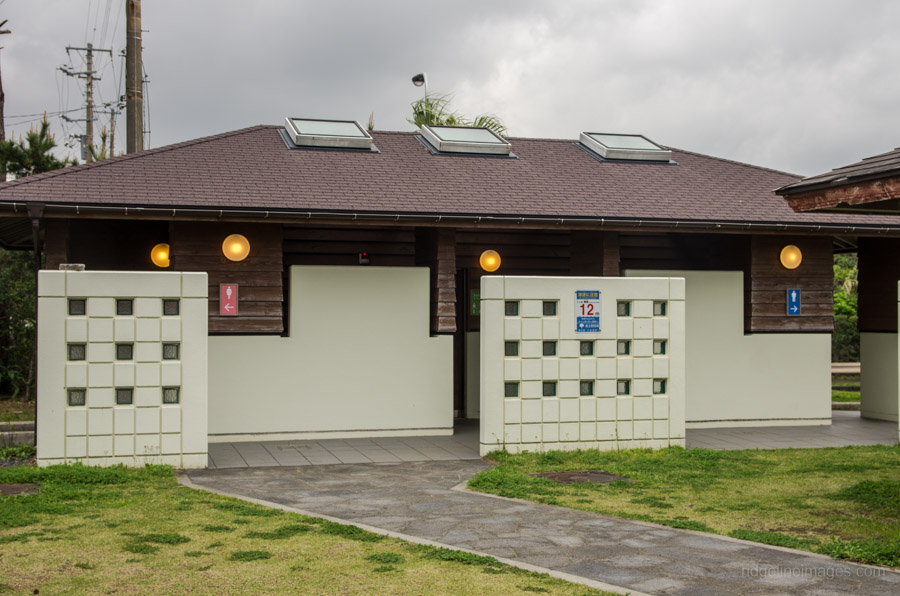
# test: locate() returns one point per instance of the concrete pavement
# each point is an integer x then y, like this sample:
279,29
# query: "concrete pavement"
423,501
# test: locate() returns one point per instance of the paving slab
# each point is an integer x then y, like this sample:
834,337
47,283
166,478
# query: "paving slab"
424,501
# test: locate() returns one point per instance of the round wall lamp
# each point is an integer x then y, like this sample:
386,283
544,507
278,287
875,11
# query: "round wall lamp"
160,255
236,247
791,257
489,260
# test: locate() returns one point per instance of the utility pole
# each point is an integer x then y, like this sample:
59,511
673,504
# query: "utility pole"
2,95
112,131
89,78
134,79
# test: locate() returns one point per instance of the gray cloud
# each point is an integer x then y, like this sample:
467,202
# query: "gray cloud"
801,87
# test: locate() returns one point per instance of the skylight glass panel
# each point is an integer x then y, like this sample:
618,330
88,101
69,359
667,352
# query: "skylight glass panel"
465,139
346,134
632,147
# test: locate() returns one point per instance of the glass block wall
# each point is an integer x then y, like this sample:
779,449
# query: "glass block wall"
547,383
122,375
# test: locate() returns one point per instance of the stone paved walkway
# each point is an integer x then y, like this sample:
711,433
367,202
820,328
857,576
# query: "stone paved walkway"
418,500
847,428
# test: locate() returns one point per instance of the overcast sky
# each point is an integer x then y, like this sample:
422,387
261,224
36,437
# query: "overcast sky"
796,86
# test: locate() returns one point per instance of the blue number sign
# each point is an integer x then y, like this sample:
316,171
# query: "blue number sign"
587,311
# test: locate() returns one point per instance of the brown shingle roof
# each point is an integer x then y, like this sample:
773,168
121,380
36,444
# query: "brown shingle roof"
253,169
877,166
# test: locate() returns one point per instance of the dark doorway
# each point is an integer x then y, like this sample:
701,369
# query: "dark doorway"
459,346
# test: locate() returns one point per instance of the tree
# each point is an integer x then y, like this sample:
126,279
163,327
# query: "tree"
22,157
31,155
435,110
17,322
845,339
103,152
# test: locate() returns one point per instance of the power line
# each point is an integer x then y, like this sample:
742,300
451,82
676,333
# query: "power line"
46,113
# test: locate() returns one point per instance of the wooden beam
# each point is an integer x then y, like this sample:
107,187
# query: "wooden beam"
436,249
862,193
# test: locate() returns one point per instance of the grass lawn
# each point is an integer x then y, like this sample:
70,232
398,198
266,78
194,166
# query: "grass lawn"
843,502
845,396
138,531
16,411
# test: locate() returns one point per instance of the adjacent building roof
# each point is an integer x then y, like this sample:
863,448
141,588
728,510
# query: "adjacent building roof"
253,173
868,186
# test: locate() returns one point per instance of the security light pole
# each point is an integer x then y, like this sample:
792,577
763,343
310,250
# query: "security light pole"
421,79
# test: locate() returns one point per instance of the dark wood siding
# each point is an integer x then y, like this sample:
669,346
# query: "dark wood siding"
341,246
198,247
767,282
879,271
105,244
689,252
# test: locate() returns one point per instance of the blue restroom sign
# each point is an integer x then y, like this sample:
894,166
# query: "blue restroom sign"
587,311
793,302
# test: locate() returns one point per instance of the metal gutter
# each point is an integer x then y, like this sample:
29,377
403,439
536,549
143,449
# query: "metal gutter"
286,216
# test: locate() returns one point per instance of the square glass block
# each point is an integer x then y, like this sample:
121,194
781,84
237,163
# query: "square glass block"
549,308
511,308
587,388
623,347
124,396
623,387
549,388
171,307
511,348
77,351
659,346
124,351
510,390
76,397
623,309
76,306
124,306
549,348
659,386
171,351
587,348
170,395
659,309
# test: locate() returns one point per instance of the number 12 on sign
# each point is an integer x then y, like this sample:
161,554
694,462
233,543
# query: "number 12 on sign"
587,311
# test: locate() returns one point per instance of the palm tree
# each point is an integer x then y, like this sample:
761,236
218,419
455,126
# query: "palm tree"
435,110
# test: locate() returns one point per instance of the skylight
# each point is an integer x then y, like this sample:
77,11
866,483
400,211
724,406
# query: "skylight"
631,147
346,134
465,139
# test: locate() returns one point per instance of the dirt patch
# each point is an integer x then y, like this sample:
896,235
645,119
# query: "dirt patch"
582,477
19,489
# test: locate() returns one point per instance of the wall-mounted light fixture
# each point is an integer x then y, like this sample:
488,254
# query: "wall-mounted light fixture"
791,257
489,260
236,247
160,255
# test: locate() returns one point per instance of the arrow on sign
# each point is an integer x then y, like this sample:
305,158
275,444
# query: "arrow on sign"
228,307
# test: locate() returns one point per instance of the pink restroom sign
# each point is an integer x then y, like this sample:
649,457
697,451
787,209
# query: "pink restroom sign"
228,299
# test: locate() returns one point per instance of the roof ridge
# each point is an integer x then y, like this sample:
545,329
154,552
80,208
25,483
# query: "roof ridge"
739,163
127,157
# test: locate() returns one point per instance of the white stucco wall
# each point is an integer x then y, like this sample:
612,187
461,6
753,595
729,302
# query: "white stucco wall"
601,416
359,362
878,380
733,379
102,431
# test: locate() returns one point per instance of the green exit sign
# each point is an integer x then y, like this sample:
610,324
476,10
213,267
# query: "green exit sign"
475,302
